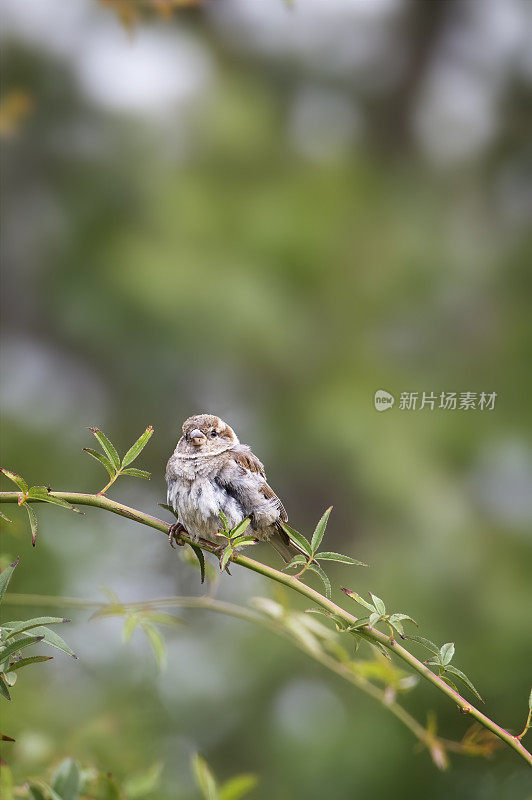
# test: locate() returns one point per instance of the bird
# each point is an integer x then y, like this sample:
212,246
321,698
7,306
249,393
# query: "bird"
210,472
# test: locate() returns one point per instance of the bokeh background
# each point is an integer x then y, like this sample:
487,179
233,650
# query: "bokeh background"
270,211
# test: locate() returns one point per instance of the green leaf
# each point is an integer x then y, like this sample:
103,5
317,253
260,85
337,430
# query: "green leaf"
21,483
465,679
339,557
137,448
24,662
339,622
320,611
4,691
303,634
374,618
398,625
240,528
53,639
136,473
376,645
157,643
132,621
316,627
107,447
102,459
26,625
244,541
317,536
19,644
269,607
326,582
204,778
445,677
67,780
430,646
10,677
446,653
161,618
35,793
52,795
295,562
237,787
377,602
43,493
3,516
358,598
225,522
360,623
395,617
298,538
33,523
145,783
227,553
5,577
328,614
201,559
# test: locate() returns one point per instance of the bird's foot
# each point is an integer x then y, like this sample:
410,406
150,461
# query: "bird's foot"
174,534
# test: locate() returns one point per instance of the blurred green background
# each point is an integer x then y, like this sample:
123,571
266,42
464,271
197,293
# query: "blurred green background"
270,212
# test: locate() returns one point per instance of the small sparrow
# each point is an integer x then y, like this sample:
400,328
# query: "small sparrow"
210,471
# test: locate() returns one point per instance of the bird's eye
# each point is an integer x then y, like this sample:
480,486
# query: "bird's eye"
214,432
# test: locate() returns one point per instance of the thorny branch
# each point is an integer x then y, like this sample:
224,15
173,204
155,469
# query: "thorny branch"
372,634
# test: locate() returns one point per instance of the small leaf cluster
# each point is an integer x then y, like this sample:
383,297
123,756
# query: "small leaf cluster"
378,614
42,493
310,561
235,538
72,782
17,635
144,618
232,789
441,658
112,462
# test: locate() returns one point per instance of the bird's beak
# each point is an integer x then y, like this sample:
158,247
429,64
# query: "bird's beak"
197,437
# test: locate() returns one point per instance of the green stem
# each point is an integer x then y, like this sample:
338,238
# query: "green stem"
113,479
527,725
100,501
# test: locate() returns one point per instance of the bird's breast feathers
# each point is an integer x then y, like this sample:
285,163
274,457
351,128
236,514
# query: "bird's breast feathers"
232,482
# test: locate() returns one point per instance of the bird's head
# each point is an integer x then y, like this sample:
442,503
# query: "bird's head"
206,434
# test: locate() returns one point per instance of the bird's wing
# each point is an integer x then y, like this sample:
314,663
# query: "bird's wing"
248,460
241,462
243,478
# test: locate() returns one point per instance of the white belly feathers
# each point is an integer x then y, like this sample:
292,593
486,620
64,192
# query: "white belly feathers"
198,504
